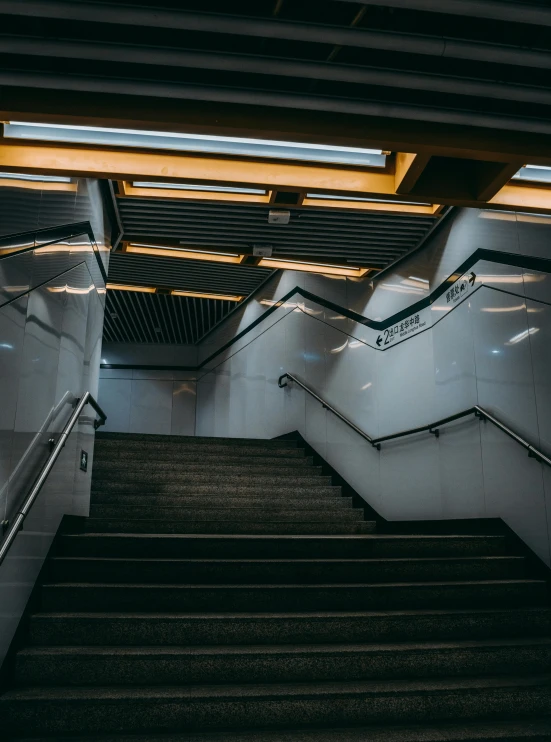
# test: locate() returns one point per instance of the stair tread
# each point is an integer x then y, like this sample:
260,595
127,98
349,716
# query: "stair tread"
277,690
298,560
308,615
292,537
296,586
450,732
286,649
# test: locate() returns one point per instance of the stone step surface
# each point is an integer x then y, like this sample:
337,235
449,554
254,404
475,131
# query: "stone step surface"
102,569
242,514
238,501
185,665
289,627
224,589
281,546
527,730
212,526
184,440
307,597
204,471
223,487
236,457
69,710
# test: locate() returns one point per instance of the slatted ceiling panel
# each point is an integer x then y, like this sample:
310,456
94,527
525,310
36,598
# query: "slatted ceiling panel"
371,238
132,317
187,275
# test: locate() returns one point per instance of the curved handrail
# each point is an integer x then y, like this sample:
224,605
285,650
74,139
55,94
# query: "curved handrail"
15,527
433,427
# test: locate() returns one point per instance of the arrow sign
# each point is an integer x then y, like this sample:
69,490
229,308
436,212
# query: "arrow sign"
472,278
379,341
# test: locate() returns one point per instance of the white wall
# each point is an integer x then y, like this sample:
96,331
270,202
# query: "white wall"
51,321
148,400
493,349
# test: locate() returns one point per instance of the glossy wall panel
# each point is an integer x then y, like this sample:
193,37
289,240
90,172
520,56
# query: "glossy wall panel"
51,320
491,349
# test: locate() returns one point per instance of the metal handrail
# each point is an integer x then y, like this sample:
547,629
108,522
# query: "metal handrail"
433,428
17,524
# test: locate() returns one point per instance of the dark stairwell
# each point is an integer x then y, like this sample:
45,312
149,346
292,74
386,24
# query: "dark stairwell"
223,589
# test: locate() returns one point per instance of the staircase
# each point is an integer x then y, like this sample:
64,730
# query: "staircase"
224,589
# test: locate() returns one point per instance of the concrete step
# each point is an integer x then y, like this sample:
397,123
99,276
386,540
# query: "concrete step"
199,462
152,438
506,730
308,502
204,470
241,514
183,665
280,546
299,597
303,478
69,710
268,527
138,451
225,488
258,571
158,629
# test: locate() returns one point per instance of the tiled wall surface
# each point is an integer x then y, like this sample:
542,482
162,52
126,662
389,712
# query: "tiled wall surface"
141,400
51,320
493,349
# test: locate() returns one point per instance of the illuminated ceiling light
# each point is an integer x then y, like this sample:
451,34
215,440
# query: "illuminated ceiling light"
331,197
534,173
200,295
189,254
35,178
195,187
296,265
281,150
126,287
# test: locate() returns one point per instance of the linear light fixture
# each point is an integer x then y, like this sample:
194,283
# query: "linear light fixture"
187,254
174,292
534,173
198,187
200,295
127,287
325,196
247,147
35,178
326,268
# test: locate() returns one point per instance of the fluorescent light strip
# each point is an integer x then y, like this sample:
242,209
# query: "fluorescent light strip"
326,268
202,188
175,292
331,197
170,252
35,178
195,143
534,173
199,295
127,287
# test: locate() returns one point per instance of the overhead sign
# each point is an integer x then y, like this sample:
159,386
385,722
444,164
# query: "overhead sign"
460,288
402,330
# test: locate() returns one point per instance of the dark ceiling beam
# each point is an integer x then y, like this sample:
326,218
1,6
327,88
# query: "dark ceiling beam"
539,15
252,97
101,108
127,15
294,68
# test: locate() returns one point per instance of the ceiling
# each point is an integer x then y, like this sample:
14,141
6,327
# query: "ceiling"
332,235
133,317
481,63
458,92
